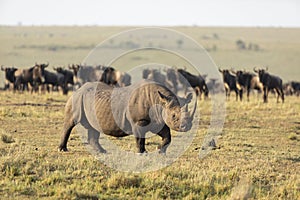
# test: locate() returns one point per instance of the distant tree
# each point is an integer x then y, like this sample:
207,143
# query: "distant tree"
256,47
179,43
216,36
214,47
241,45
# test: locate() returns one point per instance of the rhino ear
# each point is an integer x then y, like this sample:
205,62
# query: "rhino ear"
164,98
189,97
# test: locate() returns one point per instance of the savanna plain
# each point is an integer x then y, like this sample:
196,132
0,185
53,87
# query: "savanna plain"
257,155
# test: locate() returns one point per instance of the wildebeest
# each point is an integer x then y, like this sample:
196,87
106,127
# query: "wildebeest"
33,76
248,81
230,83
68,78
196,82
154,75
124,80
54,79
146,73
291,88
109,76
172,78
296,87
9,76
270,82
75,68
114,77
145,106
90,73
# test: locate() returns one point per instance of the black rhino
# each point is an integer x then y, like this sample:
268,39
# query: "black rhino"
135,109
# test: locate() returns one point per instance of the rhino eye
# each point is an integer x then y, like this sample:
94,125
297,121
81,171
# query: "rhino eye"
173,116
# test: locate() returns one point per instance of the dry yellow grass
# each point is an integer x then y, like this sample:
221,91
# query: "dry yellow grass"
255,157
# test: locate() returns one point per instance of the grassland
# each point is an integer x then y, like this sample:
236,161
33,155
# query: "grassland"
257,155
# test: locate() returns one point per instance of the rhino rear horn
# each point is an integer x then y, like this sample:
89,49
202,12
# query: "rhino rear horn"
164,98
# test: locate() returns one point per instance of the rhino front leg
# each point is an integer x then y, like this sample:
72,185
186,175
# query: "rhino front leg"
93,140
140,144
166,139
139,135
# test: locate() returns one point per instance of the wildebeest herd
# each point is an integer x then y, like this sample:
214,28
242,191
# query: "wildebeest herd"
38,78
106,101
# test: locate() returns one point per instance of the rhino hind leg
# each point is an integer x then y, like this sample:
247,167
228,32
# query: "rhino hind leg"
68,126
93,140
166,139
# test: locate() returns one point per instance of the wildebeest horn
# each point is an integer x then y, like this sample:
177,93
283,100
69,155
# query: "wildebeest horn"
232,70
220,70
2,68
255,70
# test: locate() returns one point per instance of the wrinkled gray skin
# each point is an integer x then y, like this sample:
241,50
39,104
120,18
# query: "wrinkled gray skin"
119,112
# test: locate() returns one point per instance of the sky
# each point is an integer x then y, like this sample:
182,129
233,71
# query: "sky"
270,13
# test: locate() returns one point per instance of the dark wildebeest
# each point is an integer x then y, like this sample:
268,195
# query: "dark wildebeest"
248,81
124,80
155,75
54,79
68,78
146,73
172,78
270,82
145,106
9,76
33,76
196,82
291,88
109,76
296,87
215,86
90,73
287,88
75,68
114,77
230,83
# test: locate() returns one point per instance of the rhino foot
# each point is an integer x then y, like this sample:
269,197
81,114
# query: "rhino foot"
63,149
145,153
161,152
101,150
98,149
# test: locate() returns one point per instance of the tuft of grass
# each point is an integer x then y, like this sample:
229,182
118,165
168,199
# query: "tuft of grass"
293,136
7,138
119,180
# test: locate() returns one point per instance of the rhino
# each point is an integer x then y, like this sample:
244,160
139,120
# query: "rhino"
142,107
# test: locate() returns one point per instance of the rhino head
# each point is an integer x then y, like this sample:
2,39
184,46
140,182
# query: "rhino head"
175,112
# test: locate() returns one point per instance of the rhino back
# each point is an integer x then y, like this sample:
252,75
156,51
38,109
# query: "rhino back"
145,99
